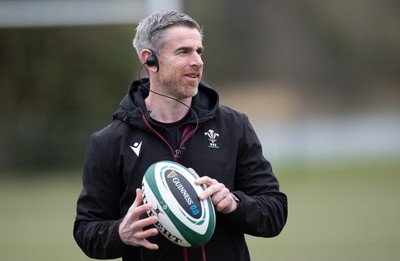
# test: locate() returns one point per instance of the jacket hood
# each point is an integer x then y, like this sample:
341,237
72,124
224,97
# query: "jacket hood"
204,103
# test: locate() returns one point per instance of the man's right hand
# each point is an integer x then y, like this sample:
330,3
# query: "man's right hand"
131,228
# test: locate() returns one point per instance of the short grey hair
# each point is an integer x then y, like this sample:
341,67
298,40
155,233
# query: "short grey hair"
150,31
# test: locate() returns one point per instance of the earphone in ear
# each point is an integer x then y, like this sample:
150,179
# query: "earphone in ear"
152,60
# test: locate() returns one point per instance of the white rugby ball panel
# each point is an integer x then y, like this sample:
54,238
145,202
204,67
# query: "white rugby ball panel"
183,218
164,224
177,182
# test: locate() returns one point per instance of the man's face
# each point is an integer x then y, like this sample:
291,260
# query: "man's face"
181,66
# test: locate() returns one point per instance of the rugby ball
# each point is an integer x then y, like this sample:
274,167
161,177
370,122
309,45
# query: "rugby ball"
182,217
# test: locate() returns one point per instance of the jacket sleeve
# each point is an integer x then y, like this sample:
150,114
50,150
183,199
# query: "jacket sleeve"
98,215
262,210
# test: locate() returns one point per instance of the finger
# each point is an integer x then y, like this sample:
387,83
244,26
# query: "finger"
138,200
149,245
137,208
205,180
146,233
134,214
207,193
217,196
211,191
138,203
224,205
142,223
200,180
211,187
144,243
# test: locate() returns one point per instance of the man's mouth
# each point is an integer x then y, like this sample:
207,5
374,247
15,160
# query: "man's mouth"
193,75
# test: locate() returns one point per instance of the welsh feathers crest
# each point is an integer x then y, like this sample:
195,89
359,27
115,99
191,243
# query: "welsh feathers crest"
212,137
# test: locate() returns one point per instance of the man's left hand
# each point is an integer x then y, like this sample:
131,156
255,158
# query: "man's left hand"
220,195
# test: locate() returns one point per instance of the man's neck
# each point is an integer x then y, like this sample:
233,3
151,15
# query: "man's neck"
164,109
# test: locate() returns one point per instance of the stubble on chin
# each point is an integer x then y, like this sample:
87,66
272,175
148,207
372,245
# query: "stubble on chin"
180,91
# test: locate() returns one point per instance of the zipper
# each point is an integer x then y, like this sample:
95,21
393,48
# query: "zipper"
187,133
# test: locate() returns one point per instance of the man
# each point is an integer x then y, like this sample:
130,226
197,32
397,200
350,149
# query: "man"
174,116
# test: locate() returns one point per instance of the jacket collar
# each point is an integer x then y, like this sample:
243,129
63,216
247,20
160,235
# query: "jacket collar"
205,102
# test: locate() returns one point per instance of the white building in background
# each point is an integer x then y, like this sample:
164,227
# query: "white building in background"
32,13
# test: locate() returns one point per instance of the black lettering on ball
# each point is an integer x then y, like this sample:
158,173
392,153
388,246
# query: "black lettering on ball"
184,193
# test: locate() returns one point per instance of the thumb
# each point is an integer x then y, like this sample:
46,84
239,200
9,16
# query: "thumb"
138,200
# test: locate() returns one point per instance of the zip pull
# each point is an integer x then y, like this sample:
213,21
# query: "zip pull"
126,118
179,154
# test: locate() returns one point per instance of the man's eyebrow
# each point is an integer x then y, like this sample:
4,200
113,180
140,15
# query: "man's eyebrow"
186,48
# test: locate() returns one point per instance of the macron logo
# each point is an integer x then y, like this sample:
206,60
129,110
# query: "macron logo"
136,148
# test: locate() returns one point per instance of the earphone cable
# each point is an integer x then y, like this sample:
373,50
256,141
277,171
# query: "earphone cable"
169,97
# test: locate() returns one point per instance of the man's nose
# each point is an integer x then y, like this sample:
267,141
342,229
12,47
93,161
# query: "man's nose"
196,60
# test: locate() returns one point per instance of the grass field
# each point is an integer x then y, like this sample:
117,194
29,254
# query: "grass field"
346,211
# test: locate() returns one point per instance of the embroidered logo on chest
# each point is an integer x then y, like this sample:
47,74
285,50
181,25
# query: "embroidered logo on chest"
212,137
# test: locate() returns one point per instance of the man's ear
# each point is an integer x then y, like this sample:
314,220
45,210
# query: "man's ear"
149,59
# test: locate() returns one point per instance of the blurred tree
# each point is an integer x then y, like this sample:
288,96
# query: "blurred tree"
338,52
57,85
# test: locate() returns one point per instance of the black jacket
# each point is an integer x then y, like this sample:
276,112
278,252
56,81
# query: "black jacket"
113,170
